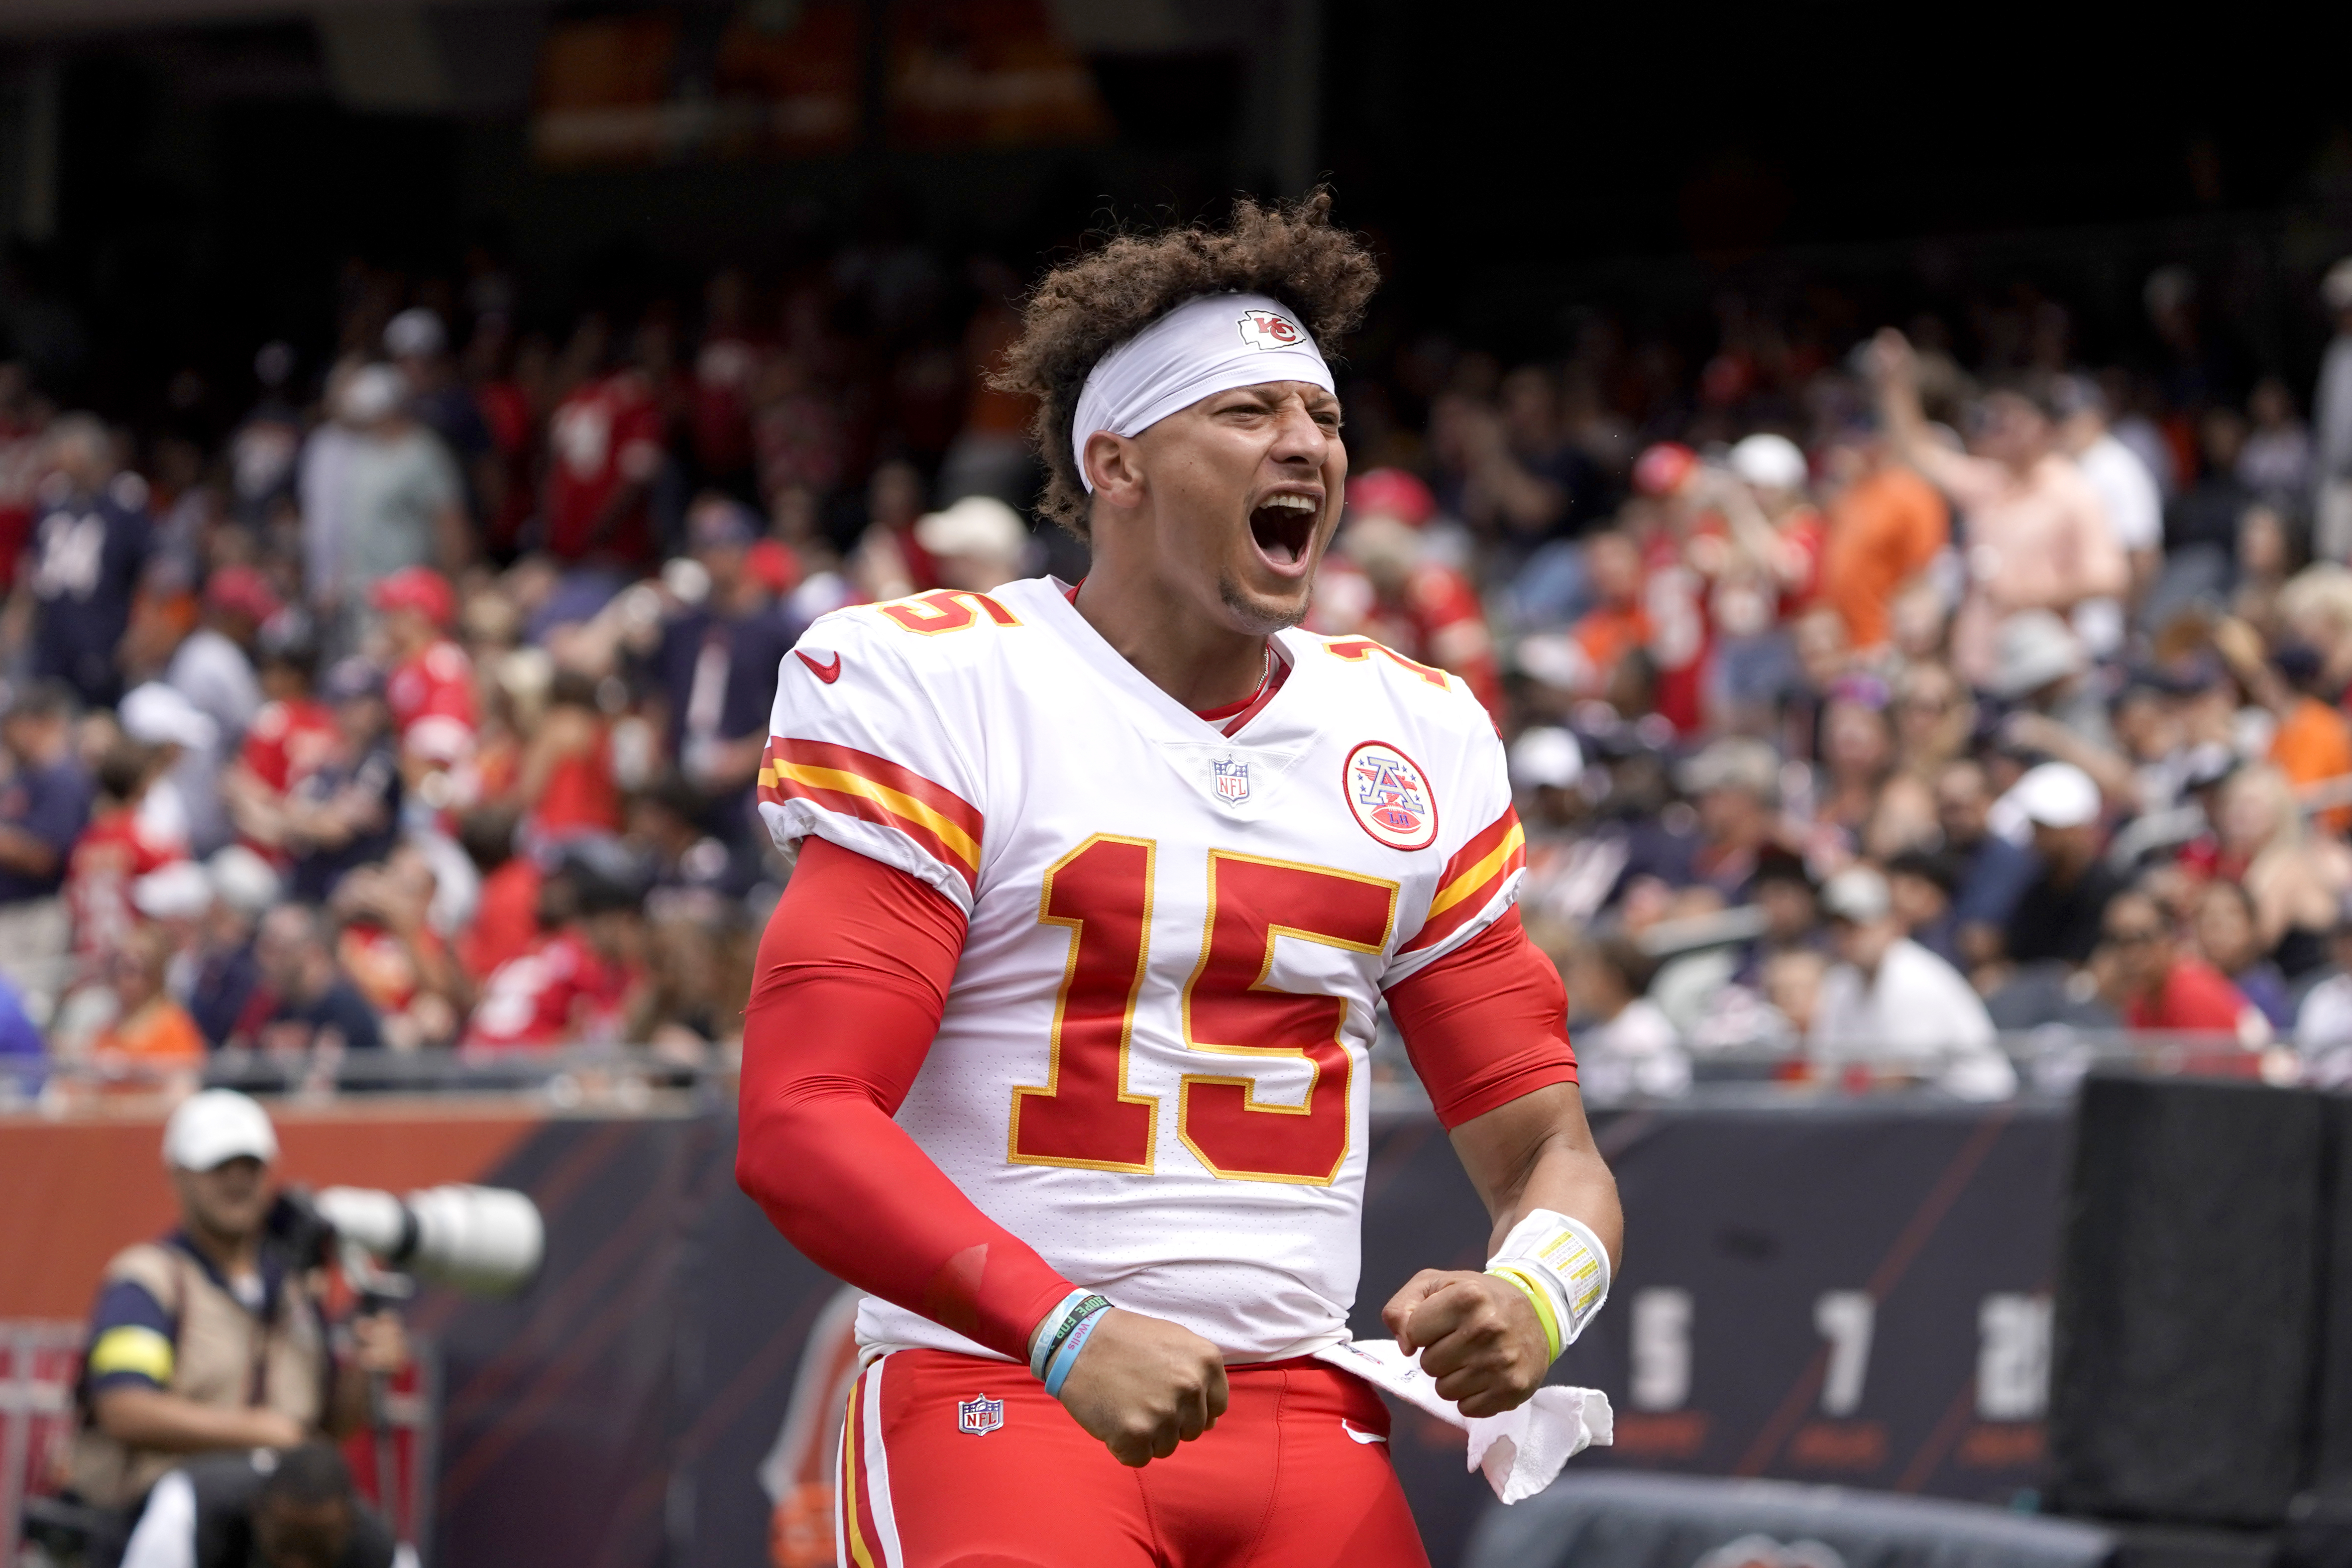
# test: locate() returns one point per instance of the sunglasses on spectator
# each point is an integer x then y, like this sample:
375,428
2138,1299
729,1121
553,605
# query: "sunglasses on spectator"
2136,936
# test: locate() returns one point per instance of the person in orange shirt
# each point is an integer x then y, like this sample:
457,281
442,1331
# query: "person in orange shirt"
1885,524
152,1037
2313,742
1617,624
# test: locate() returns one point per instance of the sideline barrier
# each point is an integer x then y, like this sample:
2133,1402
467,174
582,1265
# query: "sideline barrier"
1850,1291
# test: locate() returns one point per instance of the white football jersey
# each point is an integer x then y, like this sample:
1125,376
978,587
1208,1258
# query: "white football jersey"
1151,1067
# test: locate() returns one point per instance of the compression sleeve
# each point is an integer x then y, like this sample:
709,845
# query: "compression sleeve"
1485,1023
852,975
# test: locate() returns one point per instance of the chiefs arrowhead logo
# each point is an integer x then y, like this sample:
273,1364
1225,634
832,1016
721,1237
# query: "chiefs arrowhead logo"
828,673
1265,330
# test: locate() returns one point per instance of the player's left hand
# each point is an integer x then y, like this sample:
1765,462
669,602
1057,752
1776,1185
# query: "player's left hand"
1479,1338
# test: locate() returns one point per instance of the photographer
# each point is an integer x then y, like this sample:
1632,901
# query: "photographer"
260,1510
214,1337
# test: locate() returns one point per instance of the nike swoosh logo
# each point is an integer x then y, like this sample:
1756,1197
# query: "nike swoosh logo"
828,673
1356,1436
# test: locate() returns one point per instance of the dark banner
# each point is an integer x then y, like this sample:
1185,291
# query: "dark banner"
1851,1294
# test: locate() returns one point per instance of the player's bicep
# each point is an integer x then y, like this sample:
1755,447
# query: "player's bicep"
1486,1024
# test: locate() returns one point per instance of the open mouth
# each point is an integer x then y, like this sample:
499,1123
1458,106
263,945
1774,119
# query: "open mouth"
1284,526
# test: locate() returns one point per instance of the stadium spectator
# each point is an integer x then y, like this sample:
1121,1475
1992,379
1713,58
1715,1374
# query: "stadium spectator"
2155,985
43,807
2228,938
2037,537
582,981
151,1038
403,502
1888,998
605,444
978,543
346,811
306,1005
1625,1044
90,548
2058,916
1886,525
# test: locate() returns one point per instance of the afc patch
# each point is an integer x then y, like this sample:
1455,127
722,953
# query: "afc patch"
1390,795
980,1417
1232,777
1265,330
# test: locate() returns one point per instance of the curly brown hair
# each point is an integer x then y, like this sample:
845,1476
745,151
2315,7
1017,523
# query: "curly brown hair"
1082,309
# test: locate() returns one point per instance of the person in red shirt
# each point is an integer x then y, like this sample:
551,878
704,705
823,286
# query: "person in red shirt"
1382,583
114,851
431,688
2156,985
583,981
505,917
604,446
292,736
566,783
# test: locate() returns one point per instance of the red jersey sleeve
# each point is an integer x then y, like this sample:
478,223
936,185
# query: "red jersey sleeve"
853,975
1485,1023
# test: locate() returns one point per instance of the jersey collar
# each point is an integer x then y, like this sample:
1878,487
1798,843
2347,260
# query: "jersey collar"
1284,717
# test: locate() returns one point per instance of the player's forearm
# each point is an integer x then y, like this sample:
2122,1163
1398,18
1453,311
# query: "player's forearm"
849,1188
853,976
1536,1153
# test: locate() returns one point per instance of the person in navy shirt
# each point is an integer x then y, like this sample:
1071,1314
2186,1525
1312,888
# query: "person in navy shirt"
89,548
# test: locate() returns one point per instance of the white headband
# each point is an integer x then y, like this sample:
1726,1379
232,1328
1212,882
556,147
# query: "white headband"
1207,345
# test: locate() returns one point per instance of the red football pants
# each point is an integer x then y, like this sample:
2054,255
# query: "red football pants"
937,1473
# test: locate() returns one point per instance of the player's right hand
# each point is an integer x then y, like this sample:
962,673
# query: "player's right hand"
1143,1384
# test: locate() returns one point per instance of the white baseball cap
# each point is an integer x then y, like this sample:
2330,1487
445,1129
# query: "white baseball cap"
1769,462
2056,795
1546,755
1858,893
211,1129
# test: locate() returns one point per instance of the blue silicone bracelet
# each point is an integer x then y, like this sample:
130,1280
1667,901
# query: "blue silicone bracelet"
1059,1373
1051,1331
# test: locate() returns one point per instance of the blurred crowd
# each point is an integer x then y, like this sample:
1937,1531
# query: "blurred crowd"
1866,699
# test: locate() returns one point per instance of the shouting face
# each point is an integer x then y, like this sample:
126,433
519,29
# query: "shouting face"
1231,502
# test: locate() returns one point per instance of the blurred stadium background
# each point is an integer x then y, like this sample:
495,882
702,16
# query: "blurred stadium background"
654,330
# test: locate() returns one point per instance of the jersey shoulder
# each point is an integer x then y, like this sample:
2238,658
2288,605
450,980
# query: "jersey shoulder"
924,636
1433,703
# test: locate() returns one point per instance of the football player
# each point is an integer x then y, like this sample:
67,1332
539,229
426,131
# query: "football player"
1057,1047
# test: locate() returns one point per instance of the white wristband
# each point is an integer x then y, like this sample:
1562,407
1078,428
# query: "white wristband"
1565,1258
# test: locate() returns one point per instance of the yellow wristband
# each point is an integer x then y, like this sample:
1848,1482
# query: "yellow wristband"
1540,1296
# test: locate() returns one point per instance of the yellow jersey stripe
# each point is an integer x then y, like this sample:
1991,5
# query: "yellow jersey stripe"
962,844
1479,875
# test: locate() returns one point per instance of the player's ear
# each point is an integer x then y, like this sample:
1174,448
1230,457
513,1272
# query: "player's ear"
1110,462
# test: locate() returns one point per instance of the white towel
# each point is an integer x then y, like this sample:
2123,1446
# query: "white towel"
1521,1450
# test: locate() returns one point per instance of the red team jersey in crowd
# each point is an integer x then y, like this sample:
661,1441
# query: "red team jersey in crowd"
607,435
113,853
559,993
432,699
288,741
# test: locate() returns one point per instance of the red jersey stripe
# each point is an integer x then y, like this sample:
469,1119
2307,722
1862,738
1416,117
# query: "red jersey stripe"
959,854
891,775
1471,879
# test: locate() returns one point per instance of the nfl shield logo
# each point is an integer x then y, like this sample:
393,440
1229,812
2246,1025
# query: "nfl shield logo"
980,1417
1233,779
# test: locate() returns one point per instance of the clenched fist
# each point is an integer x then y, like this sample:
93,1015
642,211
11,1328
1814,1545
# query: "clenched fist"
1142,1385
1479,1338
